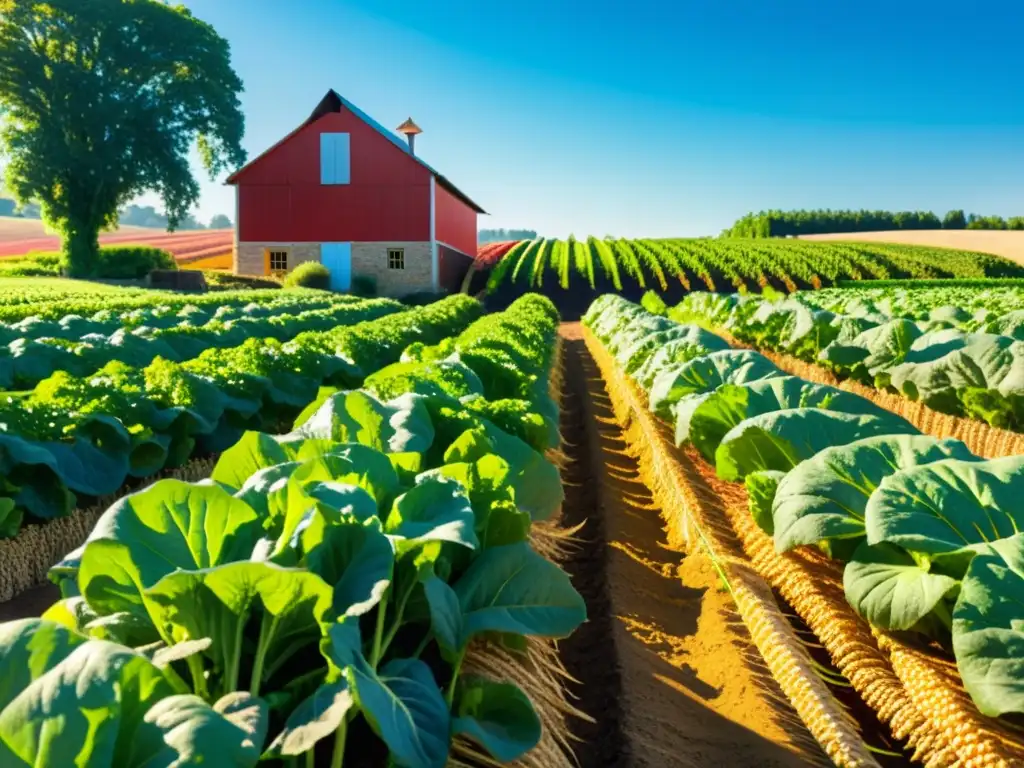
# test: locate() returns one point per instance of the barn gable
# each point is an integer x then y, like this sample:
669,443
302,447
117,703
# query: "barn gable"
343,190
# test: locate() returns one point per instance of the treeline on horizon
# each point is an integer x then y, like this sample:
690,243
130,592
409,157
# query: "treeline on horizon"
821,222
499,235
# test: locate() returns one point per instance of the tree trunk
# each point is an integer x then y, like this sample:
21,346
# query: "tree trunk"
81,248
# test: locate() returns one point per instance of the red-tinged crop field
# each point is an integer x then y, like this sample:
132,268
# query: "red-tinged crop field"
19,237
489,254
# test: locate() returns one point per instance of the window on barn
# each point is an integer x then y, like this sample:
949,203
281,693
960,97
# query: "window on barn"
396,258
277,262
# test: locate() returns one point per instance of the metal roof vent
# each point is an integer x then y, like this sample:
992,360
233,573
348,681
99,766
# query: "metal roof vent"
410,129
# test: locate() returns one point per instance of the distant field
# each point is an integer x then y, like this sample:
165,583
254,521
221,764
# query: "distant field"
212,247
1009,245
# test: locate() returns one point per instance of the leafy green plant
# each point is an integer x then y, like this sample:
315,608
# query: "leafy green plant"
131,261
309,274
335,574
88,434
928,533
364,285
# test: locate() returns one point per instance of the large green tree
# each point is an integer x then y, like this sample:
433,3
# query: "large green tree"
101,100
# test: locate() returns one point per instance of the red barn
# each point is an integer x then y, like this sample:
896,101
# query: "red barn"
343,190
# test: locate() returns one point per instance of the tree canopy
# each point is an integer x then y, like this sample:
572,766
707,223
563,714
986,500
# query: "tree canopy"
495,235
102,101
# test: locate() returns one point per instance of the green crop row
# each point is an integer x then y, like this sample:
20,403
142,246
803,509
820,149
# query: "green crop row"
24,362
315,601
86,435
928,533
979,373
733,264
45,304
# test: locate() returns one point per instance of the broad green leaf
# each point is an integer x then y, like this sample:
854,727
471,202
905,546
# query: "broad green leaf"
469,446
874,349
355,465
706,421
315,718
255,451
435,509
65,700
514,589
498,716
302,501
535,481
400,426
185,730
405,708
217,603
988,628
146,535
262,489
29,647
323,394
782,439
825,497
504,524
941,364
890,588
706,374
949,507
354,557
445,617
761,488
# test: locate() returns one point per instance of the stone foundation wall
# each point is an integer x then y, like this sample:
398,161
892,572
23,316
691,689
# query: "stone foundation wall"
368,260
371,260
248,258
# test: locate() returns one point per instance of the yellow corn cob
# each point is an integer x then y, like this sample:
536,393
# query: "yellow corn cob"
25,559
694,520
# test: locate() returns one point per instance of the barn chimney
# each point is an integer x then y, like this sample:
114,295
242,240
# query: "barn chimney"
410,129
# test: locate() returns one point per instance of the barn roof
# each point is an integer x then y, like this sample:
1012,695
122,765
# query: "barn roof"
333,102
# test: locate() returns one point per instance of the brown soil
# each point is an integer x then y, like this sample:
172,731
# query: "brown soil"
32,602
1009,245
664,665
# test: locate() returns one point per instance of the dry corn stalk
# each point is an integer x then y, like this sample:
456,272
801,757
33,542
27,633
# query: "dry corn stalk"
694,519
979,437
25,559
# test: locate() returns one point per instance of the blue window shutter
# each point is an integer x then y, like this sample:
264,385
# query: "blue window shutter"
334,158
327,155
342,155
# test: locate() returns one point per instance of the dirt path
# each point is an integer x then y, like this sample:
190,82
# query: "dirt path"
664,664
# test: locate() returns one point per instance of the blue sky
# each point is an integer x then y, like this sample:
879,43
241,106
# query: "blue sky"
670,118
